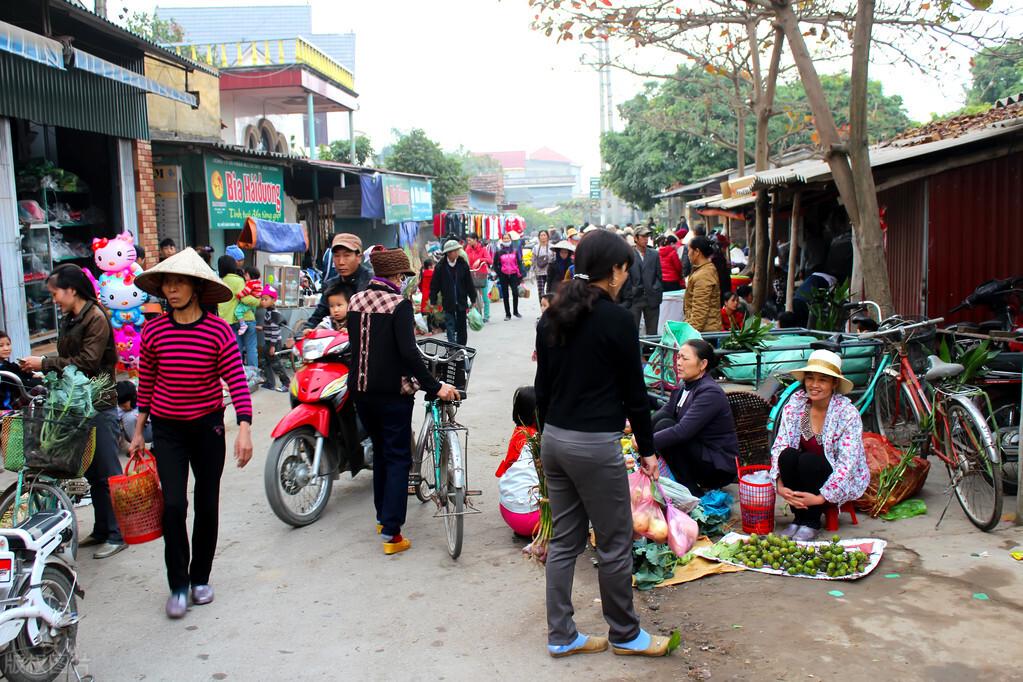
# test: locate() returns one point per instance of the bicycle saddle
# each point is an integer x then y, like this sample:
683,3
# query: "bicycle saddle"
833,344
938,369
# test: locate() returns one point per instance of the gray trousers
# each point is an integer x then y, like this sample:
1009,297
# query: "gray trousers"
587,483
650,314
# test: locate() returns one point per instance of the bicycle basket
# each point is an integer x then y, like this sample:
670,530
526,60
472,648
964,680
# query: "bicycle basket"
22,441
446,363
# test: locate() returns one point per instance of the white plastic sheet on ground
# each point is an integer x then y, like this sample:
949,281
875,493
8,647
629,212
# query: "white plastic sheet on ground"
872,547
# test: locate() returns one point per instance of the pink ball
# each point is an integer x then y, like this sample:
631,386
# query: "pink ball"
521,524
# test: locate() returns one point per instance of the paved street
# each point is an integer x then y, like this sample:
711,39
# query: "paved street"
324,603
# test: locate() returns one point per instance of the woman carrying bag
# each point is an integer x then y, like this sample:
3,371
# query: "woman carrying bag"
508,264
589,378
185,355
86,340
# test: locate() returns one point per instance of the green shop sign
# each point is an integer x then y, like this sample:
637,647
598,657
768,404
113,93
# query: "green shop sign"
406,199
236,190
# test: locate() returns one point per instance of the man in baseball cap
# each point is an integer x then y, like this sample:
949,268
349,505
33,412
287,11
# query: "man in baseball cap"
346,255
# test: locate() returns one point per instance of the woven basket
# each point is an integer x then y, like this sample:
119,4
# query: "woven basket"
750,412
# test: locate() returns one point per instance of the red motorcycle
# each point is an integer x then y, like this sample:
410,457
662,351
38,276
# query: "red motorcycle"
320,437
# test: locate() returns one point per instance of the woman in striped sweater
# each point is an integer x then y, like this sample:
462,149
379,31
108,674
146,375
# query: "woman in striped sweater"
185,355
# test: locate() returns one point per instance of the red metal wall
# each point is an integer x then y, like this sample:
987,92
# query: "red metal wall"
904,238
976,231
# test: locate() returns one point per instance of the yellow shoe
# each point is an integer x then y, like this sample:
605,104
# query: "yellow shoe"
593,645
658,647
400,546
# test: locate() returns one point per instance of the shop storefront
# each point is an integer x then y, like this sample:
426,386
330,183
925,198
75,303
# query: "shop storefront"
70,120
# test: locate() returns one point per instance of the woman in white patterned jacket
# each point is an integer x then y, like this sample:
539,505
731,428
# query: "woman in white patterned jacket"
817,458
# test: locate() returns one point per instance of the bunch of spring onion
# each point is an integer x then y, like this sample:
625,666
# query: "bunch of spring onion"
537,549
891,476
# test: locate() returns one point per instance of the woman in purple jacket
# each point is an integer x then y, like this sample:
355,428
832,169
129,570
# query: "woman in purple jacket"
694,431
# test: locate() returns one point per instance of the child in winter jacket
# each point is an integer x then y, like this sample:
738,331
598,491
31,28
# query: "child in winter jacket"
253,287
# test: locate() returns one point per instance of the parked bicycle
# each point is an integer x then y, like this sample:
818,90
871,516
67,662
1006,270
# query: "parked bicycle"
35,490
439,472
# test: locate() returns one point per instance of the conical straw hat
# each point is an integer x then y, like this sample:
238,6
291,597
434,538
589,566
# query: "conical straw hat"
187,263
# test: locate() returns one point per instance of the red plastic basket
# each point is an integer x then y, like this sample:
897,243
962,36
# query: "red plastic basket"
756,502
138,500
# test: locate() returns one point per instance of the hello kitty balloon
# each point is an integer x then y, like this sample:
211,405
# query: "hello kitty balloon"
119,295
129,343
117,254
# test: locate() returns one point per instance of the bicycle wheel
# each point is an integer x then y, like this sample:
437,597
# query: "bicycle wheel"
895,411
38,496
975,470
453,499
422,461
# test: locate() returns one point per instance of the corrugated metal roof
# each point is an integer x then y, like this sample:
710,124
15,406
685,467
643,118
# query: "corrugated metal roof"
696,184
297,160
72,99
718,201
816,170
142,43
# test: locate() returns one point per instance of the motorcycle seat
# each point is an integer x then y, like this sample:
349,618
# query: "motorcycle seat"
44,522
938,369
990,326
1006,362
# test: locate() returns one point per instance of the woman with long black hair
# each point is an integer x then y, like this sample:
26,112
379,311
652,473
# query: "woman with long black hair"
86,340
589,378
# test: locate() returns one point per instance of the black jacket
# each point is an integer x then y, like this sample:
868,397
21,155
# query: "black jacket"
705,419
644,286
87,342
389,353
454,284
358,281
595,380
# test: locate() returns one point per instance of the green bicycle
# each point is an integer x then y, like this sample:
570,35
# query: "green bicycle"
439,471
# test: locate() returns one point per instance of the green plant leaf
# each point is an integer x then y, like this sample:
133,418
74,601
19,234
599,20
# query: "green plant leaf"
675,641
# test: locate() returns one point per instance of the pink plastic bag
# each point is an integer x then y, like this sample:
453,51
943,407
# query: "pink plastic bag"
682,531
647,518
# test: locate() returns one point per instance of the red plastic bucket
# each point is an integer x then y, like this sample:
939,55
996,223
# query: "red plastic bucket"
756,502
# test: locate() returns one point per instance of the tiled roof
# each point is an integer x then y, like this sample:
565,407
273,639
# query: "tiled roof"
548,154
508,160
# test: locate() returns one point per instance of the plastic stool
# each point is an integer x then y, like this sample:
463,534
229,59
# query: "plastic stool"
831,513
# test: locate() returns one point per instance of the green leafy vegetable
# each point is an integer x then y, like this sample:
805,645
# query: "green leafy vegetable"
675,641
724,550
69,406
652,563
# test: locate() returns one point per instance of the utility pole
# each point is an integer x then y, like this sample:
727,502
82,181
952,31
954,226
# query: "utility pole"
606,115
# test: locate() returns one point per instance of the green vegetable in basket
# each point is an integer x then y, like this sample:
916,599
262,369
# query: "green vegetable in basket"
69,406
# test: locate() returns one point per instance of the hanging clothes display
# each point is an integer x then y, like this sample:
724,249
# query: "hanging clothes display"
486,226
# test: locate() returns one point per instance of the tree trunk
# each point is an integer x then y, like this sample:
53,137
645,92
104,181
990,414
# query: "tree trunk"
795,223
873,262
875,269
740,143
761,275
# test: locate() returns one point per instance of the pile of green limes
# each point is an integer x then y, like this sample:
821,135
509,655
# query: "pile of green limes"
784,554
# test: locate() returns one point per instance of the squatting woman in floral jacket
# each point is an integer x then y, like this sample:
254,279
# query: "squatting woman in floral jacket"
818,457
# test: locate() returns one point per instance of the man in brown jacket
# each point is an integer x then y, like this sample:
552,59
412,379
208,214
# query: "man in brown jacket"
702,302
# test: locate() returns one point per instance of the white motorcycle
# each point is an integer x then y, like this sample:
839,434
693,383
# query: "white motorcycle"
38,608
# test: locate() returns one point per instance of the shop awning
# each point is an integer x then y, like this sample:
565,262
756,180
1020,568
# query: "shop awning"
101,67
31,46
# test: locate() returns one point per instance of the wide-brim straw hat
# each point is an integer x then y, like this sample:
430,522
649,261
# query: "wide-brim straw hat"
186,263
564,244
827,363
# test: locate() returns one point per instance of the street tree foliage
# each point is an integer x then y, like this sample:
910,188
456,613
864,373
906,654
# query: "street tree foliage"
915,32
681,129
474,164
414,152
997,72
151,27
341,150
570,212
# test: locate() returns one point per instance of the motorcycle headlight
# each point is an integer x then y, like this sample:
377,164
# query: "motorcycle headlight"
334,387
312,349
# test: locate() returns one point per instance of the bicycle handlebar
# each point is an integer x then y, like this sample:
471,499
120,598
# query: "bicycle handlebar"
902,328
17,382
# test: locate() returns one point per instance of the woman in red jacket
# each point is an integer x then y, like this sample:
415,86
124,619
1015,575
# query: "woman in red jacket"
671,265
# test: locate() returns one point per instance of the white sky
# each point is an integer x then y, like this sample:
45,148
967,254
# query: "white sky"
472,73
